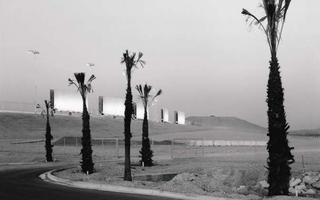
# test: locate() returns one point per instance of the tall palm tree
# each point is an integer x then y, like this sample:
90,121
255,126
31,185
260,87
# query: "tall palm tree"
86,151
280,156
49,137
131,62
146,152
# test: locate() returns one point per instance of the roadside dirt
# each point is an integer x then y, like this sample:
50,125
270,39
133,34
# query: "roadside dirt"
195,176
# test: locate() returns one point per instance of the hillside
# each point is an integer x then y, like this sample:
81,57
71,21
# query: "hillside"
306,132
17,125
230,123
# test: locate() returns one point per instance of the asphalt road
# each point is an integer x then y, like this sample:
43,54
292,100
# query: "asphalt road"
25,184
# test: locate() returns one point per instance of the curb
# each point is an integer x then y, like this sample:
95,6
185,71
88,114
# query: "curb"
47,176
18,163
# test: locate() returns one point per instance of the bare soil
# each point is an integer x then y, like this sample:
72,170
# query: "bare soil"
219,177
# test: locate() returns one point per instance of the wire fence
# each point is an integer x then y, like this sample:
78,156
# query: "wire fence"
113,148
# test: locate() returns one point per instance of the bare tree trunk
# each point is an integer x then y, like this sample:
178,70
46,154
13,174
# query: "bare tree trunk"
146,152
86,151
127,129
280,156
49,137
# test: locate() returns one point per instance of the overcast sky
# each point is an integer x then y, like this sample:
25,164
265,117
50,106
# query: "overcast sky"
201,53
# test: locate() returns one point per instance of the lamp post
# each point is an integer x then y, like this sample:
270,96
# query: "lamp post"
91,65
35,53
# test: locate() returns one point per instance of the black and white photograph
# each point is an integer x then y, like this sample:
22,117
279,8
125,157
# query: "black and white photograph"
159,99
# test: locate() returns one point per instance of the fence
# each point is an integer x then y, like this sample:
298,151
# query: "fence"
112,147
180,147
68,148
198,147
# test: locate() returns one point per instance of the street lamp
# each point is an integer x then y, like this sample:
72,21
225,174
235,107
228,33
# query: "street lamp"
35,53
90,98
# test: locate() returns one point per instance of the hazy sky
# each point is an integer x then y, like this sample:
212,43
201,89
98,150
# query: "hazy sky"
201,53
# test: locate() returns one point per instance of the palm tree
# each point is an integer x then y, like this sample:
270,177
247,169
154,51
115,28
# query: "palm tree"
86,151
280,156
49,137
146,152
131,63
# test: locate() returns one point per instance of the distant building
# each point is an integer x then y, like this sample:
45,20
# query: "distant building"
114,106
179,117
164,115
65,101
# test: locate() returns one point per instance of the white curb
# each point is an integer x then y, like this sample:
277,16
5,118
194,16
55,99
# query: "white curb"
47,176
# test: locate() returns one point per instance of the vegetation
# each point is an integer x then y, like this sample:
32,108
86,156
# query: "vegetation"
49,137
146,152
131,63
280,156
86,151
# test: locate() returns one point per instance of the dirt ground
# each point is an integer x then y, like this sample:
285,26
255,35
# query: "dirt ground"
223,171
218,176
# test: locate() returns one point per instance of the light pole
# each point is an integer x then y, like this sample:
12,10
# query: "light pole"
35,53
91,65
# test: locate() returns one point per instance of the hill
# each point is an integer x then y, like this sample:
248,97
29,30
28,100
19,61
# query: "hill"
22,126
230,123
306,132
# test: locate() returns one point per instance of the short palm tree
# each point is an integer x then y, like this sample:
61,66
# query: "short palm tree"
280,156
49,137
131,62
86,151
146,152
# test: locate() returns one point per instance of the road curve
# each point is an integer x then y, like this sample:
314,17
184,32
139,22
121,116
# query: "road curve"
25,184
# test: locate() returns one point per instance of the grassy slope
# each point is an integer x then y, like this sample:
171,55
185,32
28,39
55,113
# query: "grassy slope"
16,125
231,123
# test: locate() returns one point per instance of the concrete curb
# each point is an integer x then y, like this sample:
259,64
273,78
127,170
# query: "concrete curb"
18,163
47,176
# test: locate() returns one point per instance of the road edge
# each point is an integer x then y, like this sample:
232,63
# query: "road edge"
49,177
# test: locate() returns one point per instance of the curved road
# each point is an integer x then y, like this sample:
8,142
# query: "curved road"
25,184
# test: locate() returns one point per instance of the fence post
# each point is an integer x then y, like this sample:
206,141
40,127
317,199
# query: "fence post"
172,148
64,142
202,148
102,143
76,142
117,147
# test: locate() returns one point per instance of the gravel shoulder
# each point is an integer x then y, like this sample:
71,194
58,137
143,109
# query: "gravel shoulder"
203,176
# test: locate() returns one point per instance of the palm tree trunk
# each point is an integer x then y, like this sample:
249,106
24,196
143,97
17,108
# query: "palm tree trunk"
49,137
127,129
86,151
146,152
280,156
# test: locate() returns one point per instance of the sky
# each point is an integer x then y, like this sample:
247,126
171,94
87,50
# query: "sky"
201,53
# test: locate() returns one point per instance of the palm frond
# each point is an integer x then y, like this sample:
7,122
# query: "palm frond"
72,82
260,20
249,15
141,62
139,89
157,94
146,90
286,7
92,77
80,77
